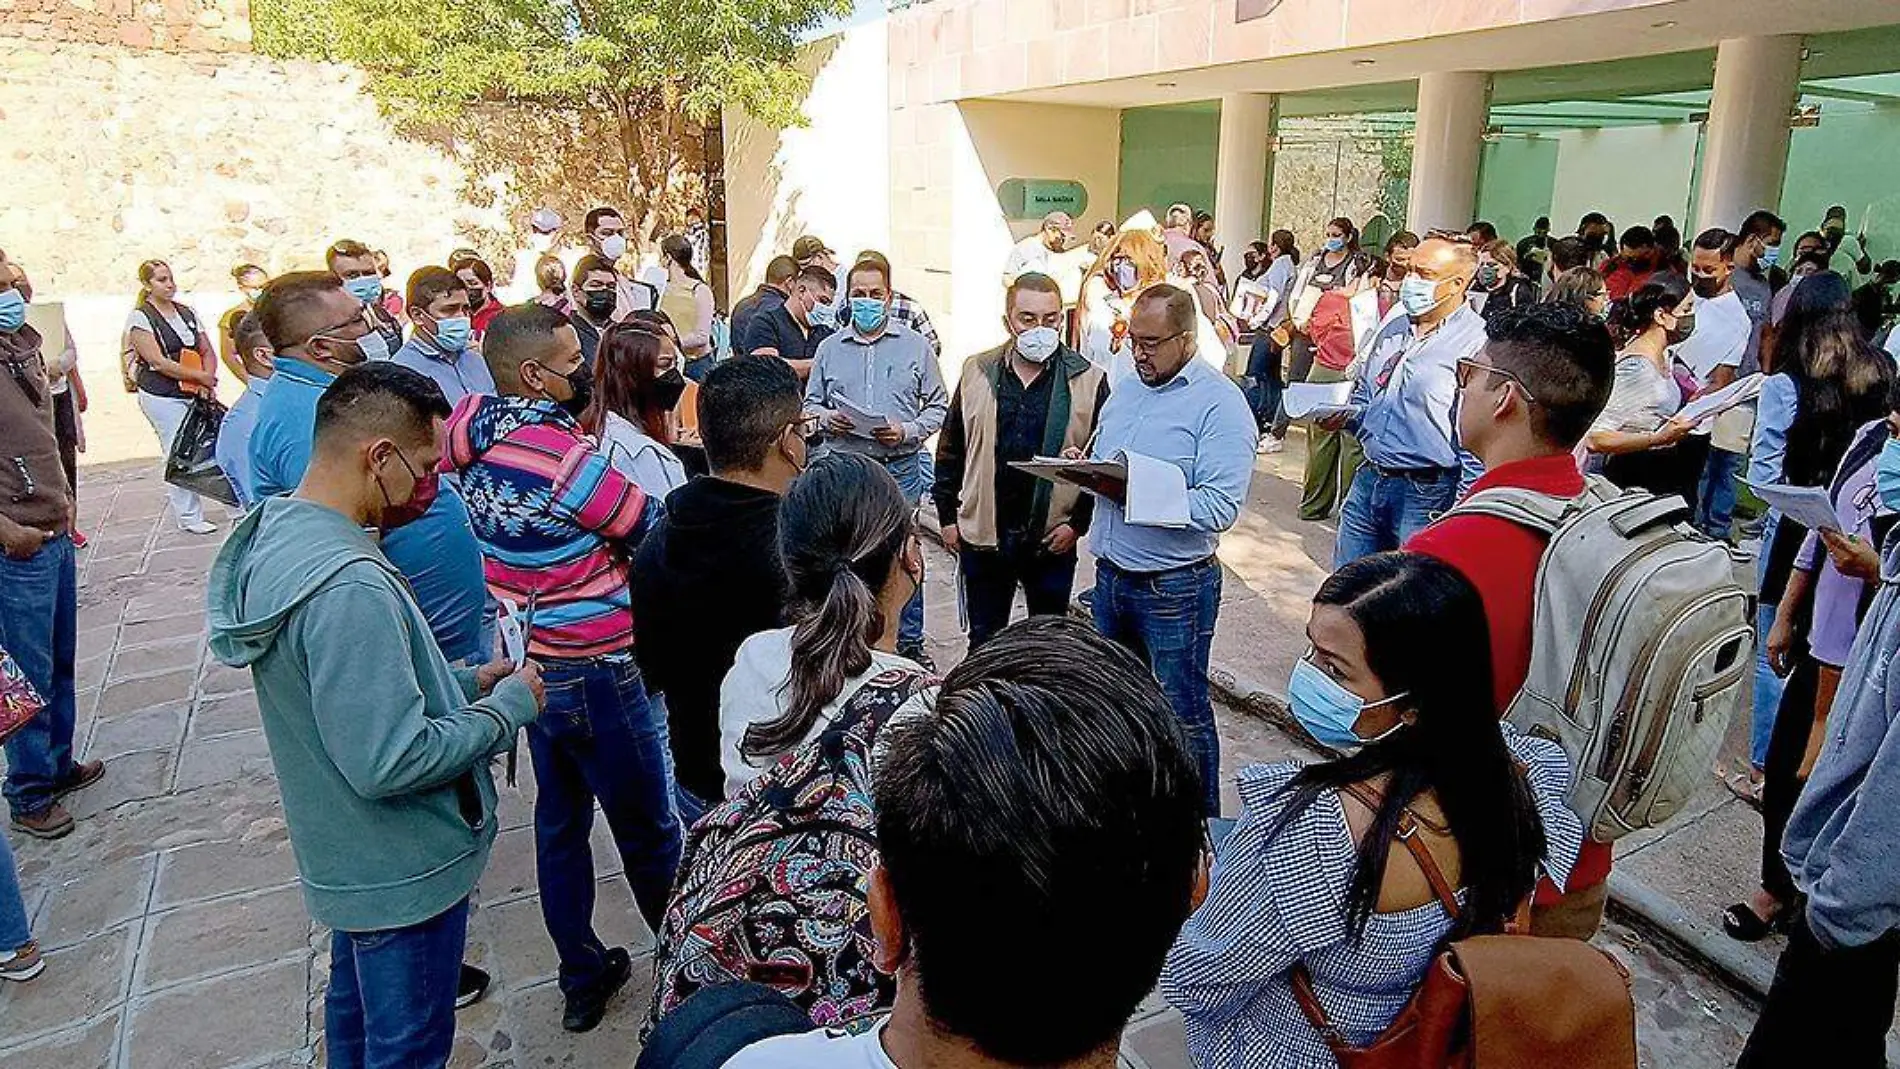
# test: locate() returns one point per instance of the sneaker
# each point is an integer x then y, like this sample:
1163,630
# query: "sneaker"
53,822
587,1006
1269,445
472,986
83,775
201,527
23,965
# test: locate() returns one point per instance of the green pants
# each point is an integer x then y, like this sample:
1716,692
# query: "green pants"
1332,459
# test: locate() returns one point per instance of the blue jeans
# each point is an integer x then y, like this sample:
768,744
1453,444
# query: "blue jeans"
391,1002
1768,685
599,738
1382,511
39,612
1715,495
15,932
1263,378
1167,619
913,474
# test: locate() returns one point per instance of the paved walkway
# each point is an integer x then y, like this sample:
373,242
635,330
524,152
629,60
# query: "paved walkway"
175,931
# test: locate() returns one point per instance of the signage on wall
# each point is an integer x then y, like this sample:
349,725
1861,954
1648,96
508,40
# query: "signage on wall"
1033,198
1249,10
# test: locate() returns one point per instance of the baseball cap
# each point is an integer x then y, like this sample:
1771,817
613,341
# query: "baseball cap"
545,220
808,246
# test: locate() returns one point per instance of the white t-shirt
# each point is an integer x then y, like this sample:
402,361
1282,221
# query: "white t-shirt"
823,1049
1721,335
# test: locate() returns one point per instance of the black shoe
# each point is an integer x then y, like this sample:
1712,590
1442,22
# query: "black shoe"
1744,925
471,987
587,1006
916,653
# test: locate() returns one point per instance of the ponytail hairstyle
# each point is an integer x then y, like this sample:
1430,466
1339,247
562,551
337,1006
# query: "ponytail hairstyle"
841,528
677,249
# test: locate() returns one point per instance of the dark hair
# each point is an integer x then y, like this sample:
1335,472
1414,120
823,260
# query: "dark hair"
1841,383
1404,239
429,282
589,264
625,367
841,527
479,267
677,249
347,249
1048,798
1203,216
744,405
1593,219
1286,243
1638,237
1716,239
1819,292
1351,231
1484,232
1426,638
1834,210
1568,253
512,333
1030,282
1542,223
1105,228
287,309
780,270
1761,223
1564,358
1504,253
1661,292
656,319
595,215
248,335
1575,287
870,262
382,398
1180,304
1669,238
813,275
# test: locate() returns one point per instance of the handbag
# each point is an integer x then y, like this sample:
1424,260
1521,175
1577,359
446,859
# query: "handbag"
1511,1001
193,462
20,701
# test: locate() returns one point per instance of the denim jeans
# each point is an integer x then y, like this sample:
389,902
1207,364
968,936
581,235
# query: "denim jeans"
15,932
599,738
1768,685
991,576
1382,511
1715,495
391,1002
1167,619
913,474
39,613
1263,377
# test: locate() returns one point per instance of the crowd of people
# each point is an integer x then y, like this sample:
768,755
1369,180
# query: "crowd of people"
680,551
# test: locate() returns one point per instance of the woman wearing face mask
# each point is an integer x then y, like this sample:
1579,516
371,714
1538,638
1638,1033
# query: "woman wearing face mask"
173,360
483,306
1498,284
688,302
1585,288
1313,886
1198,278
250,280
1260,302
637,387
1134,260
1339,263
1099,238
853,558
1635,440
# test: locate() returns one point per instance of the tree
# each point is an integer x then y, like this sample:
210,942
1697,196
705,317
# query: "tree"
653,67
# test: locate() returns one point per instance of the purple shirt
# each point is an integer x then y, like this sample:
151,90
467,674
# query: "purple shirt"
1837,597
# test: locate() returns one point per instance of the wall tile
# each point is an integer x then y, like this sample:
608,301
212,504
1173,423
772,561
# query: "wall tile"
1186,38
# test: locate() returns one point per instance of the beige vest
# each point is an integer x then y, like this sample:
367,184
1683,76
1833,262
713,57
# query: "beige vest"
1076,389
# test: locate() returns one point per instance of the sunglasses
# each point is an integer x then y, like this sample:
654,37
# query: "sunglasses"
1468,367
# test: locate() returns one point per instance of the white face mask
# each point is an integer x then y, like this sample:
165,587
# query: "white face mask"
614,247
1037,344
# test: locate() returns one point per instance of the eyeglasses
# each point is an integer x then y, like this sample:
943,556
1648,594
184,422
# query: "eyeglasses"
807,426
1144,347
1468,367
362,318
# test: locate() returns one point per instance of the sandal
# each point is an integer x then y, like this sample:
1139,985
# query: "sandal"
1744,925
1746,787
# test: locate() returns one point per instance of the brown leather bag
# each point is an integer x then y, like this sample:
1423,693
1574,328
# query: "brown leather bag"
1508,1001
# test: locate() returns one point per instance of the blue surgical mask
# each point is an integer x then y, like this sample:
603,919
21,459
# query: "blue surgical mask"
1887,474
822,315
1770,255
452,334
1327,710
867,314
12,310
373,346
365,288
1125,275
1418,295
1334,245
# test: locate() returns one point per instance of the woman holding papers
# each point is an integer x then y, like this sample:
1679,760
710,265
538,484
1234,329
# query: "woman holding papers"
1636,439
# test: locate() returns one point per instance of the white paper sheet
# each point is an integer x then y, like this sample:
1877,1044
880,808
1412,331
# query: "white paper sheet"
510,625
863,420
1710,405
1808,506
1316,399
1157,492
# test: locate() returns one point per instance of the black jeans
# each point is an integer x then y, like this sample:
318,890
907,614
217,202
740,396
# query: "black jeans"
991,576
1302,367
1826,1000
1781,782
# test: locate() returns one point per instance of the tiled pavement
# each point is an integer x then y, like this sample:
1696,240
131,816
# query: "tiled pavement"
175,931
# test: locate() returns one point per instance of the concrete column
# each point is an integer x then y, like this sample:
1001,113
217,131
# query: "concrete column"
1453,107
1243,173
1745,149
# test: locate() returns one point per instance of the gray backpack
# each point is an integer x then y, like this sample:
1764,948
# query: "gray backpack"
1641,648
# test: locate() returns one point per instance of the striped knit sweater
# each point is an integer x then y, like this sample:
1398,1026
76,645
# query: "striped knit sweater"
555,521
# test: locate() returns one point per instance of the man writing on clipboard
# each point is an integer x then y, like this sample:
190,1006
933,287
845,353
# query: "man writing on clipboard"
1157,587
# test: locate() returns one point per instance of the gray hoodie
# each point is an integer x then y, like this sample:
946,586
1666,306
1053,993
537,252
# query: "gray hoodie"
1840,840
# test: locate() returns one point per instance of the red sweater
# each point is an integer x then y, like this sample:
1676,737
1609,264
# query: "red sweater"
1500,559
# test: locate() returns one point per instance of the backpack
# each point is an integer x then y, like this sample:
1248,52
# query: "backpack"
1642,648
773,881
1493,1001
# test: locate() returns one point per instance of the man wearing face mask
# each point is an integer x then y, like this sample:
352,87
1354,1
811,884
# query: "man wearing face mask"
607,239
1037,252
1834,229
596,294
1757,250
381,748
1713,354
438,344
1030,396
792,329
1401,407
558,525
883,369
354,264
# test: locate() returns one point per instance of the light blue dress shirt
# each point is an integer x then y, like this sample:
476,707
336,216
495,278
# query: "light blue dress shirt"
1198,421
459,375
894,375
1409,425
1775,410
234,440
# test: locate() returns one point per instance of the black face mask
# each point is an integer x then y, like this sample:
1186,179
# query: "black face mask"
668,388
582,385
599,303
1706,287
1685,326
477,298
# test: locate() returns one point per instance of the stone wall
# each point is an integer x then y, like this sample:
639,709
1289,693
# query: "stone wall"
179,25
